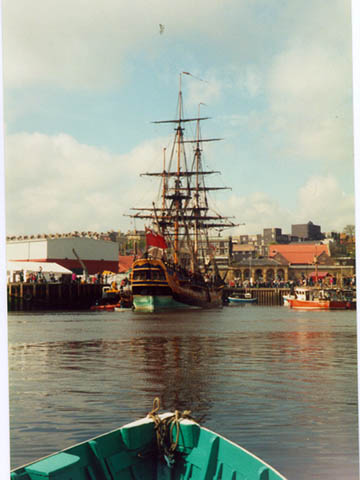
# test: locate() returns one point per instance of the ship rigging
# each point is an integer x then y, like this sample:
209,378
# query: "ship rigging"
183,217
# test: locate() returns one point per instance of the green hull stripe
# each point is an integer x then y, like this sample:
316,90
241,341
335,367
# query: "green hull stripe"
150,303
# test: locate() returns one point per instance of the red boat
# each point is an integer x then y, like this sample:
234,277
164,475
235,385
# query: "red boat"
312,298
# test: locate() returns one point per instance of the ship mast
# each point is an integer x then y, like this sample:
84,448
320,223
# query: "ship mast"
183,212
164,188
196,194
179,134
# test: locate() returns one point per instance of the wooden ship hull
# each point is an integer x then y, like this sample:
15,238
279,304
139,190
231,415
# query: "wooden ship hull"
158,286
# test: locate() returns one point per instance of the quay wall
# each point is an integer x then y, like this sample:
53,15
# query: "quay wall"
38,296
265,296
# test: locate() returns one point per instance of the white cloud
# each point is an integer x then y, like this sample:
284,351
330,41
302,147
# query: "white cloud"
257,211
207,90
56,183
68,44
322,200
309,91
88,44
250,79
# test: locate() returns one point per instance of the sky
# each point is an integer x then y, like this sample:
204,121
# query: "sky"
84,80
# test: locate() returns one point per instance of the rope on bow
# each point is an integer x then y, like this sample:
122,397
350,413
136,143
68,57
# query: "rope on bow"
164,431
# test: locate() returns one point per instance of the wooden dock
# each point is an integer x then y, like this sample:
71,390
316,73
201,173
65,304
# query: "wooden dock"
265,296
78,296
43,296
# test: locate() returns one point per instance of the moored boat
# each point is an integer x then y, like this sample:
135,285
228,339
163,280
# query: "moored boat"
178,268
113,298
157,284
287,298
125,303
244,298
157,447
314,298
109,307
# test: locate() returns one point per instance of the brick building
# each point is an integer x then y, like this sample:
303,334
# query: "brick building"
307,231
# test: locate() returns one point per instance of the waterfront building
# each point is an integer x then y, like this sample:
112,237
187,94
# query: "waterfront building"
310,259
256,241
261,270
289,262
307,231
301,253
244,252
275,235
272,235
69,251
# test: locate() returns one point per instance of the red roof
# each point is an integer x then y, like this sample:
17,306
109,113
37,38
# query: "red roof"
125,262
299,253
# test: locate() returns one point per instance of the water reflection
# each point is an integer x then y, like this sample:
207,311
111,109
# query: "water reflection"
178,368
175,369
283,387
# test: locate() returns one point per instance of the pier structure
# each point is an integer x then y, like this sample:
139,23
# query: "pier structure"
50,296
24,296
265,296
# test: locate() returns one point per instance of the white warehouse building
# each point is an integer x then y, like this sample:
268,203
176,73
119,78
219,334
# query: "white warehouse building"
97,255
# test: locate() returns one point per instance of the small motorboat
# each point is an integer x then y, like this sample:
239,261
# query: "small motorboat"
108,307
125,303
158,447
244,298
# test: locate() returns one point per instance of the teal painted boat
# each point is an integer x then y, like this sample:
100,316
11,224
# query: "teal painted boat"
247,298
169,446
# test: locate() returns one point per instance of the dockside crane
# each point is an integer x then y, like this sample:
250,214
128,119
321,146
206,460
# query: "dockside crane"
82,264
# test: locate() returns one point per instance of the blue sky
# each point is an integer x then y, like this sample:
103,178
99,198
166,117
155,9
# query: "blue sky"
84,80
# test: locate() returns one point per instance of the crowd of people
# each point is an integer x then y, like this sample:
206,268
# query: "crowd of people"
328,281
51,277
260,283
98,278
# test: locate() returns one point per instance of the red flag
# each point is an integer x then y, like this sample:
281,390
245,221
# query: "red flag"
154,239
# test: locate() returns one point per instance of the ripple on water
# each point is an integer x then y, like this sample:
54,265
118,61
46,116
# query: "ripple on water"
281,383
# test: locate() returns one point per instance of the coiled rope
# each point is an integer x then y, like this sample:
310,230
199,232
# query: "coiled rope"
164,431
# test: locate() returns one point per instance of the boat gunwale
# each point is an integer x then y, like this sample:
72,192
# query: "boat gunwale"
265,464
147,420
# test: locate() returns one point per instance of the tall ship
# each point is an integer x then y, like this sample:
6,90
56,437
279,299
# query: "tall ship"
178,268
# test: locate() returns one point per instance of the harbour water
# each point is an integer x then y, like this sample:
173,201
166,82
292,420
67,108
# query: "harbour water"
281,383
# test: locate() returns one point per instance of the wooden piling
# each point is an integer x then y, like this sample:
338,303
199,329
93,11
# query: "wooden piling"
32,296
265,296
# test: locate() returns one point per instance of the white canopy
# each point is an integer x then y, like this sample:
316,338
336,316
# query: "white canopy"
47,267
